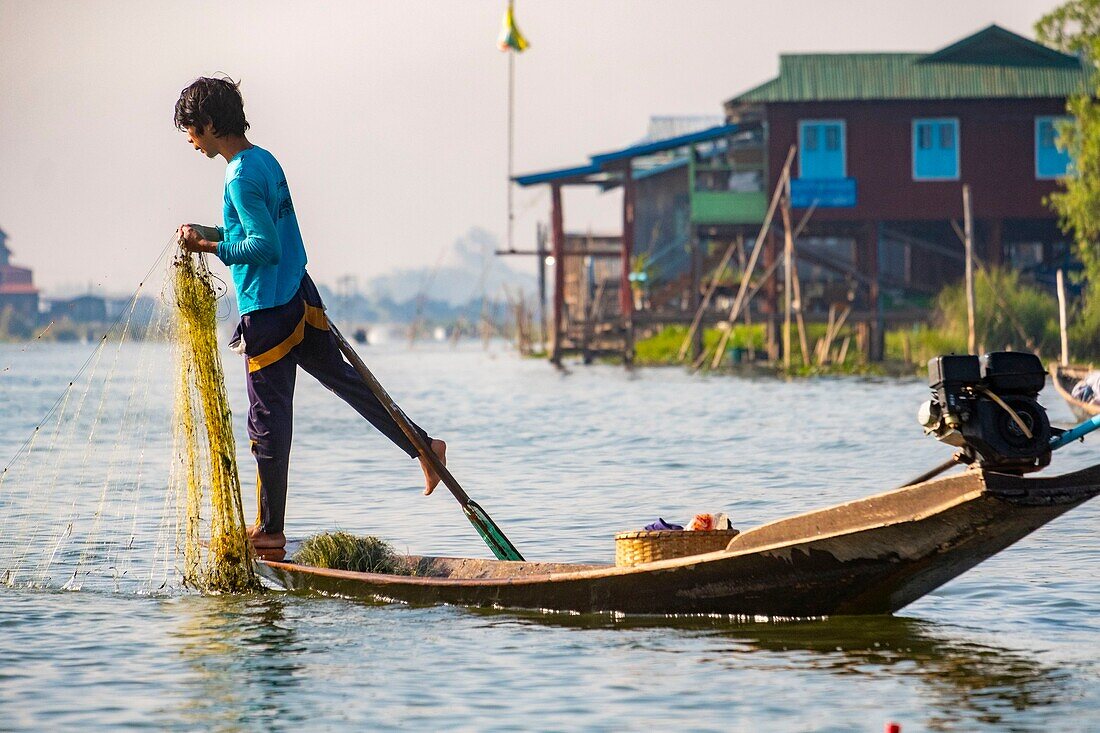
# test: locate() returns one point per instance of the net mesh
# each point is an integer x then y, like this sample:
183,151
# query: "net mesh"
206,455
122,477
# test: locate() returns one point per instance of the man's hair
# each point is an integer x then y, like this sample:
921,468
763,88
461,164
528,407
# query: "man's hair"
211,101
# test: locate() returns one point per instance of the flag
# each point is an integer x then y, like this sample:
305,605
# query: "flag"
510,37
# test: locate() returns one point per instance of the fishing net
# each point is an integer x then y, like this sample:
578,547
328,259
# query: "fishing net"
206,455
122,476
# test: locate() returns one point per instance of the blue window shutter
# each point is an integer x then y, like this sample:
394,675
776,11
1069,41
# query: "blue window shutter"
935,149
1050,162
822,149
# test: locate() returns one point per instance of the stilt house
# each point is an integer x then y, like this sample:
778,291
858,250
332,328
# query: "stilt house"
18,295
882,145
885,142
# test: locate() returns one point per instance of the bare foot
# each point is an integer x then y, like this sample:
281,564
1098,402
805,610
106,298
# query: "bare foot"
263,541
431,478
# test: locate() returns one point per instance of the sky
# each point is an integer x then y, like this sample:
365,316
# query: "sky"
389,118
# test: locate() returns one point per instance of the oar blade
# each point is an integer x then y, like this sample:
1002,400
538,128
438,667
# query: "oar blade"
491,533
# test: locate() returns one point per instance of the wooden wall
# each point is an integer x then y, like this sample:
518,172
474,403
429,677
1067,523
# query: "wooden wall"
997,157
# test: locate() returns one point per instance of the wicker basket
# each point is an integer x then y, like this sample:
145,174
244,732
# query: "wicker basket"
635,548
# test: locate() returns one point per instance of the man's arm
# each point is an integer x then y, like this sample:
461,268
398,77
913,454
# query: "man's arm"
260,245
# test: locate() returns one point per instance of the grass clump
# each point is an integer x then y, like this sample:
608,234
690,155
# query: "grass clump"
663,347
1007,313
345,551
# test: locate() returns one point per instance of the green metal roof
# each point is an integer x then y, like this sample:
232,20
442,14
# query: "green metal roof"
993,63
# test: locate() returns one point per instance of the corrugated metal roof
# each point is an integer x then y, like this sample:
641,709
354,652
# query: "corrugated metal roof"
648,148
1022,72
558,174
666,126
606,163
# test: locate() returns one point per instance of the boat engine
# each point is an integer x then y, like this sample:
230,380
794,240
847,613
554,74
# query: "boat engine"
988,407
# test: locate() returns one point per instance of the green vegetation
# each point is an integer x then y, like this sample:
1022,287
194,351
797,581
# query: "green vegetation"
1008,315
916,344
344,551
1074,27
663,347
13,327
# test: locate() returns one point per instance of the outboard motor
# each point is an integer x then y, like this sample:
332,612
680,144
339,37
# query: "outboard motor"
989,408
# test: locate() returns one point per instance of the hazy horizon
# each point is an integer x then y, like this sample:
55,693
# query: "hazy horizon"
389,119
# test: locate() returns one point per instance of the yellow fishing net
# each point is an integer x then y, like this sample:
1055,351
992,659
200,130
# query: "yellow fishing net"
217,554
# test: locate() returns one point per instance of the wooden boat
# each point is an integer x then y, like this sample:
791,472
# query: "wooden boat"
870,556
1065,378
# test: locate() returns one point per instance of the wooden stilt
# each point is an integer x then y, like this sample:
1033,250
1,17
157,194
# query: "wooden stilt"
626,296
694,337
1062,317
788,268
540,254
803,341
557,249
968,228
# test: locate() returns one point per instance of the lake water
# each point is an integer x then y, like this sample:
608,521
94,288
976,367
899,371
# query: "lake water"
562,461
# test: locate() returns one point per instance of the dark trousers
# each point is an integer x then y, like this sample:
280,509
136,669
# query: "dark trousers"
276,342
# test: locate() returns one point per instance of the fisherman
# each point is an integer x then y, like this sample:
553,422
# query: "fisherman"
283,323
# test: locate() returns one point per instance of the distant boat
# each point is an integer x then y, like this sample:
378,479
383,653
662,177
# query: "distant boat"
870,556
1065,378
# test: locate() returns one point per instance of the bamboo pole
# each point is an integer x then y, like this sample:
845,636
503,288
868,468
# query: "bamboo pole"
799,317
821,351
1062,316
843,350
792,279
711,288
738,302
832,331
788,257
1001,302
748,299
803,341
968,228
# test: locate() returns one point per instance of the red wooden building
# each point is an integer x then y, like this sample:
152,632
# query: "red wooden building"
886,141
884,144
18,295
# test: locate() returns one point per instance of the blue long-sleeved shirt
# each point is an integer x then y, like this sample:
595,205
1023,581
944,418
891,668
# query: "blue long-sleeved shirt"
261,242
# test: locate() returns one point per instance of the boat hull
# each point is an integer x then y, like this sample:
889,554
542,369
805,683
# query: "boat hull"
871,556
1064,379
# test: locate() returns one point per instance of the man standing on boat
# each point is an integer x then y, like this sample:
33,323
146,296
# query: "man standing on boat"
283,323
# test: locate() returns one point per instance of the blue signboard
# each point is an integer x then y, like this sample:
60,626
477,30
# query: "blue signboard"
829,193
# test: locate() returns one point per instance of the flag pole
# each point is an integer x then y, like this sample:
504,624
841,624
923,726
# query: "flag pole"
511,42
511,137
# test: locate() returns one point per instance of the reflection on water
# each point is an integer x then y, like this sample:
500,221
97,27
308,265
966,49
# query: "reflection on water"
961,677
243,653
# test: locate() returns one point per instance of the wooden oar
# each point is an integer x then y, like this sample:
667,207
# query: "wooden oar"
492,534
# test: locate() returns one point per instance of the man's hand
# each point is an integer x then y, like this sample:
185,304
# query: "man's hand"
192,241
